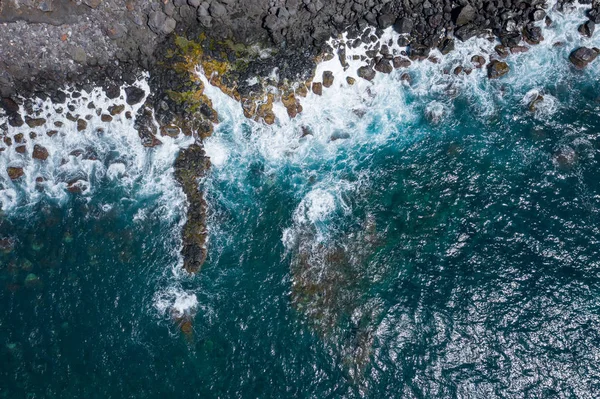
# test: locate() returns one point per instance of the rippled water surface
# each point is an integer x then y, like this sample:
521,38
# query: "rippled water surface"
435,240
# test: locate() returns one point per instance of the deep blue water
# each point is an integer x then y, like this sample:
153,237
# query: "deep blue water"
450,254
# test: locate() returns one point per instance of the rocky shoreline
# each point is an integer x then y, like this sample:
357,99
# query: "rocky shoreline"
46,45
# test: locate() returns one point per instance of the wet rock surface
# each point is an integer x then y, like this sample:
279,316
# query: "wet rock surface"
190,166
582,56
111,42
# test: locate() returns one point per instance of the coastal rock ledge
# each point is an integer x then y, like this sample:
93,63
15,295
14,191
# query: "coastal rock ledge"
47,46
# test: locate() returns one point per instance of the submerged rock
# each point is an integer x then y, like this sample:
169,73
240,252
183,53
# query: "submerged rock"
32,281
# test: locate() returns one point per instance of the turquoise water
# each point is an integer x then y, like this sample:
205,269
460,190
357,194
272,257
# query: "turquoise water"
428,241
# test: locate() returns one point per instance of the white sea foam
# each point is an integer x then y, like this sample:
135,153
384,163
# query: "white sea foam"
175,302
114,154
347,122
103,150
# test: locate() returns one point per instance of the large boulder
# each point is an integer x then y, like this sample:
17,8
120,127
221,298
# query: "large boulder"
465,32
384,66
385,20
582,56
466,15
134,95
366,72
160,23
497,69
587,29
533,34
403,25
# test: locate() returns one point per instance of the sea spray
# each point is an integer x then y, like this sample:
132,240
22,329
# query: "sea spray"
326,161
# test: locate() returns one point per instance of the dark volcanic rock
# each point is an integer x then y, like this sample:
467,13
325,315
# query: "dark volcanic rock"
384,66
582,56
401,62
366,73
587,29
191,165
497,69
465,32
403,25
134,95
466,15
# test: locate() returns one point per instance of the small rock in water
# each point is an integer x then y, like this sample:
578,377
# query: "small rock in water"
81,125
327,78
306,131
384,66
134,95
497,69
519,49
502,51
339,136
77,186
582,56
538,15
366,73
538,99
401,62
317,88
34,122
478,61
587,29
14,172
116,109
40,152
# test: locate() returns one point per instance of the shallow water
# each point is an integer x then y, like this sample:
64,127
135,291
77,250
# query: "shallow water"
432,240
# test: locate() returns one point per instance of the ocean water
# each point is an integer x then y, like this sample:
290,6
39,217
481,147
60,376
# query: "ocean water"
438,239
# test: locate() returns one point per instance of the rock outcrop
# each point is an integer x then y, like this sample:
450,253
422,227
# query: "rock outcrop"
582,56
